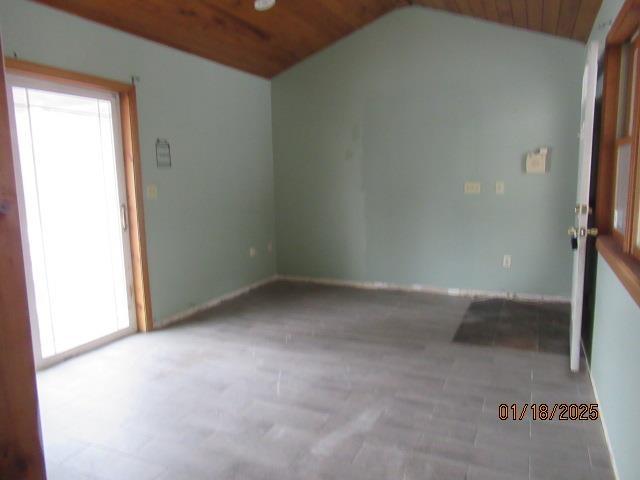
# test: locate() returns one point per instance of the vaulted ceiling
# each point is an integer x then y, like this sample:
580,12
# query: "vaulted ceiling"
266,43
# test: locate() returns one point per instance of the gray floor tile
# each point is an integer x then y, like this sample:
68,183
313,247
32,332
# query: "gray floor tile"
299,381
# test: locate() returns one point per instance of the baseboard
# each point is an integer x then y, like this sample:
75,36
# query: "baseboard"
604,424
185,314
458,292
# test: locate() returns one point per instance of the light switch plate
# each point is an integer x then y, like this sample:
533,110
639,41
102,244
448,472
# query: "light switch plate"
471,188
499,188
152,192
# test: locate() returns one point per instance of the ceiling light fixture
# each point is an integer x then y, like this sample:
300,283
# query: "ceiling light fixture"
262,5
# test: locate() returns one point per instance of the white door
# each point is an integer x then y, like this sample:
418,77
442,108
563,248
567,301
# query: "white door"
580,230
72,199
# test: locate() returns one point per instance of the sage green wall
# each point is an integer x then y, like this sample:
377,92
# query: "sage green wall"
375,136
217,200
614,368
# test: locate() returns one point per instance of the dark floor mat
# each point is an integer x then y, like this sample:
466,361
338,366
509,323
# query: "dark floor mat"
540,327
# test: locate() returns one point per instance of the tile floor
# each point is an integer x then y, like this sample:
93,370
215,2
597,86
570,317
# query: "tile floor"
295,381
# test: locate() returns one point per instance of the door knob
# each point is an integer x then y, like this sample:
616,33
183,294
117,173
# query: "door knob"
591,232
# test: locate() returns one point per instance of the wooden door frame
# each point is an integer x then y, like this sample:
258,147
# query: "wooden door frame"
21,454
132,168
617,250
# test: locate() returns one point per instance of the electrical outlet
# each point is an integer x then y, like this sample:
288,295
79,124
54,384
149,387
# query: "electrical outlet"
506,261
499,188
471,188
253,252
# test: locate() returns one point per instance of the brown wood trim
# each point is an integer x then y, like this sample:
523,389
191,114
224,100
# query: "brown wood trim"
635,246
633,197
624,141
78,79
626,267
629,114
21,455
626,28
630,127
635,132
138,236
606,159
133,169
617,236
626,23
635,223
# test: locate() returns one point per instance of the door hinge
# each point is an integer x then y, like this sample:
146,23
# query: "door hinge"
582,209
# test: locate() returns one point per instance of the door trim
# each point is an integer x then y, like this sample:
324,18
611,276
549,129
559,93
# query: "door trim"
21,454
28,82
132,168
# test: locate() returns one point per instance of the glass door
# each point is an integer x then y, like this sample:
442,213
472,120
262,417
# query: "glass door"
74,211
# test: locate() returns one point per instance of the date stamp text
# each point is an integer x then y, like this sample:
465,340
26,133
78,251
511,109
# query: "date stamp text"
549,412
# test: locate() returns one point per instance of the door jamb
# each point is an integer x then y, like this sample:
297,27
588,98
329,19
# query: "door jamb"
21,454
132,163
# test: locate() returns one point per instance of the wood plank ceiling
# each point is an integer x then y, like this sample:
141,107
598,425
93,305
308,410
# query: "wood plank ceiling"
266,43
